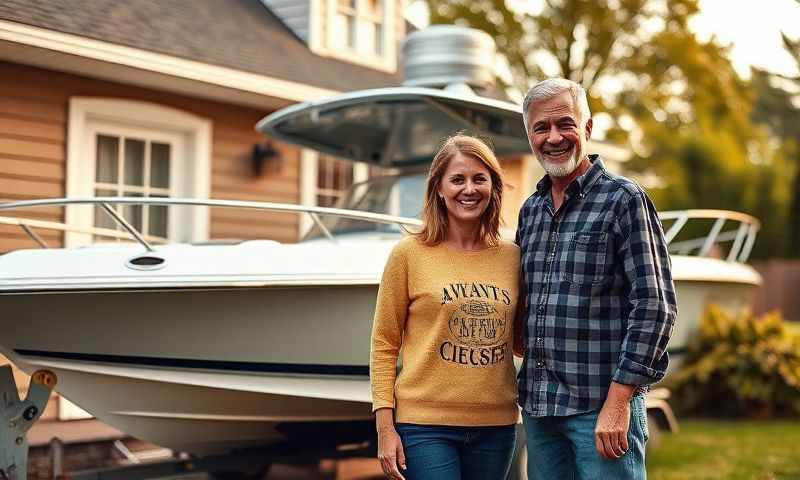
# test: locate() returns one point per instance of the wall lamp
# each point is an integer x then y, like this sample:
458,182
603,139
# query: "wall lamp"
264,156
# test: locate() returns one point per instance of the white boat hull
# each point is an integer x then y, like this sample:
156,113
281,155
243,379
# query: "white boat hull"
206,396
243,362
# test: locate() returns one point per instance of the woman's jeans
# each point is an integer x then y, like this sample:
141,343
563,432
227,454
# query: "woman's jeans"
454,453
563,448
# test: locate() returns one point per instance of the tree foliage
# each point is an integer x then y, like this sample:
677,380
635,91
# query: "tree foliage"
677,101
778,99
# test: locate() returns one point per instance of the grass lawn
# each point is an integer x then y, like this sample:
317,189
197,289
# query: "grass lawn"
731,450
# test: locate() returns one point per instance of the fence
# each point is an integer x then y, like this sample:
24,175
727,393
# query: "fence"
781,288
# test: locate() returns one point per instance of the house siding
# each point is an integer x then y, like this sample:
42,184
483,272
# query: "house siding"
33,125
513,193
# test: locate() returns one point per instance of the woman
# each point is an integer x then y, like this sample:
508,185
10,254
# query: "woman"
448,297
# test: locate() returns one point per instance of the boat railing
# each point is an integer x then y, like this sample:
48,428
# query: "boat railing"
741,235
146,241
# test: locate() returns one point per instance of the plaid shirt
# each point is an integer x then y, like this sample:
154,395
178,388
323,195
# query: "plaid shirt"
600,299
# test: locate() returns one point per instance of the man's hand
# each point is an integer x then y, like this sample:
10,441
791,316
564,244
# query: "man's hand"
613,421
390,447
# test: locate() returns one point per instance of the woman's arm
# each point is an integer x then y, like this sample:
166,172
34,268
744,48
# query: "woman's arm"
391,311
388,325
390,447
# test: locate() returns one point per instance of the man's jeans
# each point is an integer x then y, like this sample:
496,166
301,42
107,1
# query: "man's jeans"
454,453
563,448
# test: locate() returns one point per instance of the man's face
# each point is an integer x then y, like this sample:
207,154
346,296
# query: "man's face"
556,135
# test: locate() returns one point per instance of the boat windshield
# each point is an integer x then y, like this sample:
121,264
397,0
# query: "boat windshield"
398,195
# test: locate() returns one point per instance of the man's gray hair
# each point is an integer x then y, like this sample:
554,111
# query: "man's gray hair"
549,88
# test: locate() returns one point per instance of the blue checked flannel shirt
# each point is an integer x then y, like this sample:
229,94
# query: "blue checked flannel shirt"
600,297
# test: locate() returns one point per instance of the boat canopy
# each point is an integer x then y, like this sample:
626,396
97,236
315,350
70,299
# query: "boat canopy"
397,127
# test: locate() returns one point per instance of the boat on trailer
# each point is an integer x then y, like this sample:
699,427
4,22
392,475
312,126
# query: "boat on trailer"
213,347
209,348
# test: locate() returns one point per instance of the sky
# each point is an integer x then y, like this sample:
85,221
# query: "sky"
752,28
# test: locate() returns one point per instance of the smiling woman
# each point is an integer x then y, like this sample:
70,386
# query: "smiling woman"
453,285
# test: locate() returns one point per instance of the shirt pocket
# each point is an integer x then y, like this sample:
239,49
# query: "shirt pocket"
585,258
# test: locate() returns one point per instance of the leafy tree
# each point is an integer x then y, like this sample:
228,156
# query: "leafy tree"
675,100
778,106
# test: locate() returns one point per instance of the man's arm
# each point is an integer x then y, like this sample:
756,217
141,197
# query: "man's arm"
520,316
643,358
647,267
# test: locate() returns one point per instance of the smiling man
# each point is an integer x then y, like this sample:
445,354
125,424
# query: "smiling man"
599,302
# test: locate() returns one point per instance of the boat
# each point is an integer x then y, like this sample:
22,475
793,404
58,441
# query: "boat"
212,347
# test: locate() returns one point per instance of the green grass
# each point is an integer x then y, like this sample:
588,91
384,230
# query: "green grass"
731,450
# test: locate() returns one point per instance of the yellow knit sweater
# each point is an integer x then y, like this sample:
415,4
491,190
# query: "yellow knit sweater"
452,312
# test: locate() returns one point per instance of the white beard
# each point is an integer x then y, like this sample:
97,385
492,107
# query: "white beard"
558,169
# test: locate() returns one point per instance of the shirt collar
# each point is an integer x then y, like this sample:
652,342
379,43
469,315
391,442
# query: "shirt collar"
581,184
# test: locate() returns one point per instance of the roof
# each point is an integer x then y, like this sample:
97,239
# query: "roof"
238,34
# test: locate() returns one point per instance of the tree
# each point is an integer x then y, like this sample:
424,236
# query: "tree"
777,106
675,100
592,42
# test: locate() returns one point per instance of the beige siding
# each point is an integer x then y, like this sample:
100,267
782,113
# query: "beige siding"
33,125
32,132
513,196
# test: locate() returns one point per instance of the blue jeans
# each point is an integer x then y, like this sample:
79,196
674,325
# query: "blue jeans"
562,448
454,453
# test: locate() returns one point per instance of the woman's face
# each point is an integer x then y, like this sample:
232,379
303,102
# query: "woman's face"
466,188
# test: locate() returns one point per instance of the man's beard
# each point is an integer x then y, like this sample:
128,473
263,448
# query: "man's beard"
558,169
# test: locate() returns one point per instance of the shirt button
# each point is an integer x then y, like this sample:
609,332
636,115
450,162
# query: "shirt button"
540,364
539,339
540,309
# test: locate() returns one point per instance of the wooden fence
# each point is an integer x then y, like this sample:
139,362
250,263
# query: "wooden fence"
781,288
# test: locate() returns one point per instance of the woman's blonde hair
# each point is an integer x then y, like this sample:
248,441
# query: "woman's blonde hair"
434,211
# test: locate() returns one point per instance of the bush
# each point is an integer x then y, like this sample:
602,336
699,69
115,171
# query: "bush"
740,366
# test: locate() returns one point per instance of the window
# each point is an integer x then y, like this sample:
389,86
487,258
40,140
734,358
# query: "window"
134,164
334,178
344,24
362,31
135,149
324,180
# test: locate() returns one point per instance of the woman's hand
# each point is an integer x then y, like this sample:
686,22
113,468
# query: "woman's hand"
390,447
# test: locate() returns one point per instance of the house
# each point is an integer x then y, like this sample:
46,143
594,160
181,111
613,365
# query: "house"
175,87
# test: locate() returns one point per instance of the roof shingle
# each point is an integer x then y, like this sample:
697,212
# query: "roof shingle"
239,34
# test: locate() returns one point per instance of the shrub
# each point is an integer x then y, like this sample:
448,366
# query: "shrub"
740,366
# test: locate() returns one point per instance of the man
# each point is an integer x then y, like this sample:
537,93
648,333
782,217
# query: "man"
600,302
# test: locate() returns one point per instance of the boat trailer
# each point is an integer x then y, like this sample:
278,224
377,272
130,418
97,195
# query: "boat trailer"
18,417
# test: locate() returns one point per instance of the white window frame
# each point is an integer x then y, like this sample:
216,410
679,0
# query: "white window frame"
87,115
309,169
386,60
178,164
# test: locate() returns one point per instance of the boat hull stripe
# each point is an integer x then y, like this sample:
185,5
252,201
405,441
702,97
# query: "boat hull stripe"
288,368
